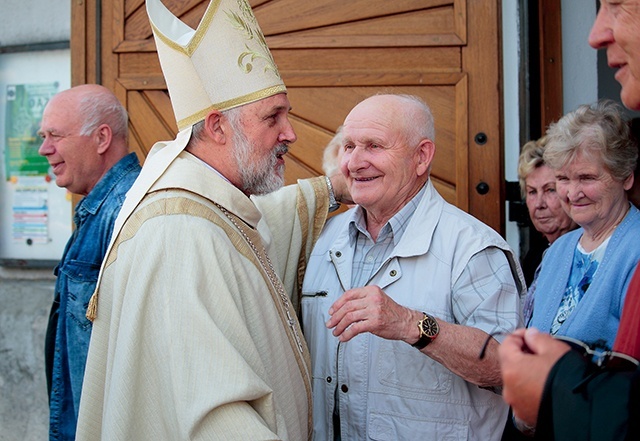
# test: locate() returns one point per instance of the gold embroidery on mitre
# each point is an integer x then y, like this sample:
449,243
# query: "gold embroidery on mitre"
248,25
225,105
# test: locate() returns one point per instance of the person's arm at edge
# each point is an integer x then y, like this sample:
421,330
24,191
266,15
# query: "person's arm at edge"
606,401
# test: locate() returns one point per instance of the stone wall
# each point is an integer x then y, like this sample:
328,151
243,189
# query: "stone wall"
24,311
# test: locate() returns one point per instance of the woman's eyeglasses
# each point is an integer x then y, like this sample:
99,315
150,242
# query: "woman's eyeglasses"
603,359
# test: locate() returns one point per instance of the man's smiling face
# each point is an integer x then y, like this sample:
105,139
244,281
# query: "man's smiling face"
617,28
379,163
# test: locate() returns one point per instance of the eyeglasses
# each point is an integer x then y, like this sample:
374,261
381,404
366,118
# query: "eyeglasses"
603,359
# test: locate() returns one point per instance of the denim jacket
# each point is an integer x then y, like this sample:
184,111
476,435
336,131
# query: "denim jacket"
77,274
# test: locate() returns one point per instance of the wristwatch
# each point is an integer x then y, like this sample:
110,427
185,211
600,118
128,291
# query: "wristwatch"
429,330
333,203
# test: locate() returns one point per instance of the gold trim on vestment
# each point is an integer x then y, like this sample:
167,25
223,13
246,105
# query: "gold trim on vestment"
184,205
225,105
321,193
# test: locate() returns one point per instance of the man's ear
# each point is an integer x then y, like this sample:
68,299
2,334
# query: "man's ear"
426,151
214,127
103,137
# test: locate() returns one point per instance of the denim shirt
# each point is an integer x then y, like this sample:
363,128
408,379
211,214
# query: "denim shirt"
77,274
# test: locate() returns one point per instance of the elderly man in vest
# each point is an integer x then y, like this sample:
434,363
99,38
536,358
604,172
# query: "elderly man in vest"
402,291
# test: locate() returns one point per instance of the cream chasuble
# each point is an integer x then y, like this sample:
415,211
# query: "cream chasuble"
196,335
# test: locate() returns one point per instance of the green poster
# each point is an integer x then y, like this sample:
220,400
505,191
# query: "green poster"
25,104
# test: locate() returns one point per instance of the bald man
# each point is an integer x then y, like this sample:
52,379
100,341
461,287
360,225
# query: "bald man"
401,292
84,134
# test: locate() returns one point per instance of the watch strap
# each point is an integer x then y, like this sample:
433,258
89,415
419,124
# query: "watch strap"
333,203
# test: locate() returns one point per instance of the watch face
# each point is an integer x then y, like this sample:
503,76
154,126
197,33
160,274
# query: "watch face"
430,327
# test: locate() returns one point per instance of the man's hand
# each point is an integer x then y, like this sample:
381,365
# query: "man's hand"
369,309
340,190
526,358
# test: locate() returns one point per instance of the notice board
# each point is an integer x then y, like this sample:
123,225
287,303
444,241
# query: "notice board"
35,214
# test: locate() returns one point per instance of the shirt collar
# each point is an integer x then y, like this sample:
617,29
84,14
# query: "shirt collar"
91,203
395,226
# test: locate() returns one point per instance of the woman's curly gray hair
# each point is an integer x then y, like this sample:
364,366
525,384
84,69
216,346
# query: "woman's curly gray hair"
598,131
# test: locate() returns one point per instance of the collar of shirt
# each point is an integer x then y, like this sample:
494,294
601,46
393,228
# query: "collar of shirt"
369,256
91,203
395,226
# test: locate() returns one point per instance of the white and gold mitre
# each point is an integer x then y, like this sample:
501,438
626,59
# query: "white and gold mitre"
224,63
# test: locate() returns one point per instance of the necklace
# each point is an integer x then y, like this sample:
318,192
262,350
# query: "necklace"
267,267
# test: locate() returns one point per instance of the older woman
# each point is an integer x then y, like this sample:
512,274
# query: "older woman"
538,187
585,273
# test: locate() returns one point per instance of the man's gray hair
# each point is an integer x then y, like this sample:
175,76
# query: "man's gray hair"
419,119
234,115
103,108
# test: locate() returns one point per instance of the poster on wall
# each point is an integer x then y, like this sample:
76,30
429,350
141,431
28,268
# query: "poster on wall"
30,211
25,169
25,104
35,214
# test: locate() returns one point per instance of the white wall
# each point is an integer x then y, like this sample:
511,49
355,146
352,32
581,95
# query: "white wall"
34,21
511,105
579,60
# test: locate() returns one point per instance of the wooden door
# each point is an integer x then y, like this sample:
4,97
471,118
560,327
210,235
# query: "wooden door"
331,54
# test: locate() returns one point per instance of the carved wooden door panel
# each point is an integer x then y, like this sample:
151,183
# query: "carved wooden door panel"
331,54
